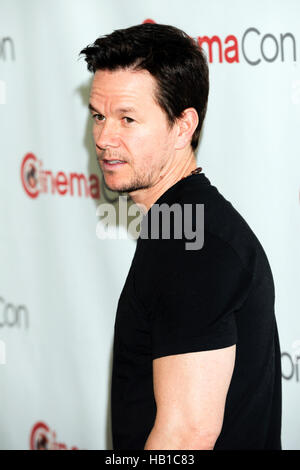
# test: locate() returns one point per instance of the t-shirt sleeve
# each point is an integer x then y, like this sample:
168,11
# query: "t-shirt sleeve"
198,297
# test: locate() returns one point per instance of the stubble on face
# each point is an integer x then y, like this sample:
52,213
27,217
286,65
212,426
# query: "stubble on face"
145,178
142,180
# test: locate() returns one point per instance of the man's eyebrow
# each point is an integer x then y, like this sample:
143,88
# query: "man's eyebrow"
91,108
119,110
126,110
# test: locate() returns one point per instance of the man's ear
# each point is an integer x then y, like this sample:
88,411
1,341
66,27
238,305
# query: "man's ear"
186,124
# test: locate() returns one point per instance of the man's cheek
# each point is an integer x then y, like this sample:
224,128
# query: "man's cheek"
95,134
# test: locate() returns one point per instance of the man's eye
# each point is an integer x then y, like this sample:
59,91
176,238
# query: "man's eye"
98,117
128,119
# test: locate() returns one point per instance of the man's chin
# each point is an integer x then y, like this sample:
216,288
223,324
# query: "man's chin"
116,187
123,188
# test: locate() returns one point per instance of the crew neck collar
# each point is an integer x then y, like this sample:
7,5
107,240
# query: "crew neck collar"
190,178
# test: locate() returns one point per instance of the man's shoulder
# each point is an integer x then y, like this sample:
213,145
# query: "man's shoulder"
224,233
197,198
222,218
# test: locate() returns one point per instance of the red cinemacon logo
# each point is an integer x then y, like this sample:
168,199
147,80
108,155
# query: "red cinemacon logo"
42,438
254,47
36,180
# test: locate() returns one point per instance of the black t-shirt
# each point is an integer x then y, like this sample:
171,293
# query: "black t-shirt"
177,300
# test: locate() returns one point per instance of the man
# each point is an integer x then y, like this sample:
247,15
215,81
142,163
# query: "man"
196,353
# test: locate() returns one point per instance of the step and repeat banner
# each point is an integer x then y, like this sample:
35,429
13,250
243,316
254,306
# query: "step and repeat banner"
60,279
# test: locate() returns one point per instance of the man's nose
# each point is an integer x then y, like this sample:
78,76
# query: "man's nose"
106,135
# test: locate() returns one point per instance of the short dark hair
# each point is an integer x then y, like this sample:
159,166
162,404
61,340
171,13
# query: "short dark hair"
173,58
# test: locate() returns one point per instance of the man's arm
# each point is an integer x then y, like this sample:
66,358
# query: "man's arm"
190,392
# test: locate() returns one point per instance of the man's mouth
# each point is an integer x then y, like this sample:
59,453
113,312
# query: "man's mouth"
113,163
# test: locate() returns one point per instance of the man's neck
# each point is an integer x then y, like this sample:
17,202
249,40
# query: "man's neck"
147,197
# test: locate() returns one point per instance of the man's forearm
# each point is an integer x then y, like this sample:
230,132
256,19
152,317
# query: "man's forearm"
161,438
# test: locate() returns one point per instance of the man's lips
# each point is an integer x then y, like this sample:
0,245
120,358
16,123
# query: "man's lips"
112,160
112,163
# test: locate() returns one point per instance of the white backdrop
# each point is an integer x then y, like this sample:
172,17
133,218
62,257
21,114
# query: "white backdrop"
59,283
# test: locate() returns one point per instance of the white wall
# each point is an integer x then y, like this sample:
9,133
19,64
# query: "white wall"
59,283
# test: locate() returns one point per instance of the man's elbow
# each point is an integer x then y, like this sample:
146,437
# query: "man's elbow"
199,439
183,437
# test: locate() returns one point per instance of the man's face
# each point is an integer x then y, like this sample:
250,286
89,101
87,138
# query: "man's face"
130,127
